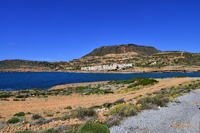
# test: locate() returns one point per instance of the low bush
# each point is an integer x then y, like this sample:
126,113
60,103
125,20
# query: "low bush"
58,112
93,128
143,81
124,110
95,107
68,107
63,118
180,77
15,99
70,128
128,89
21,96
28,113
83,112
150,102
5,95
107,105
19,114
49,130
13,120
135,81
119,101
25,131
113,121
121,82
49,115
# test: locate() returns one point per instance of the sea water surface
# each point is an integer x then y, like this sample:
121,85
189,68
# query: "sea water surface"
45,80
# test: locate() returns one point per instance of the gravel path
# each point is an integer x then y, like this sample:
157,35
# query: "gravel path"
183,117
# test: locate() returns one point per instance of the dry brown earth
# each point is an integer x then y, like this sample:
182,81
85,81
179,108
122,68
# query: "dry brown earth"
54,104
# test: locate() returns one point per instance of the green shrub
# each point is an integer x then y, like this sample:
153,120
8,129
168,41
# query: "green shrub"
68,107
121,82
124,110
107,105
180,77
95,107
19,114
21,96
49,130
83,112
149,102
15,99
13,120
93,128
63,118
28,113
143,81
49,115
25,131
136,81
5,95
58,112
128,89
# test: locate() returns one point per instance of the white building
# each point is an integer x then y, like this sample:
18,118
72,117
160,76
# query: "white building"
106,67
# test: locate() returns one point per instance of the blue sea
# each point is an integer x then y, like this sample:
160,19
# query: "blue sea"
45,80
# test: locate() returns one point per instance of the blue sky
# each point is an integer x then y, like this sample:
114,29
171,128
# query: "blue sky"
62,30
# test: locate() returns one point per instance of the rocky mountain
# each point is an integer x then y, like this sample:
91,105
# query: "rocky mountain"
122,49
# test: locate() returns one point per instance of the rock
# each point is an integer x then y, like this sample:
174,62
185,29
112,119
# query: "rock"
165,90
36,116
28,126
48,120
22,119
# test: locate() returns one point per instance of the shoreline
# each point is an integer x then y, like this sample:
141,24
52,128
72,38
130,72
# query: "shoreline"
57,103
162,71
167,69
79,83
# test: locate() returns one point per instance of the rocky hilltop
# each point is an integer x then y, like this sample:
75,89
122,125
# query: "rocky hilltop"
122,49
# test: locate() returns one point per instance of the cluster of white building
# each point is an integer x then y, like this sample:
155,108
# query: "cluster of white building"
106,67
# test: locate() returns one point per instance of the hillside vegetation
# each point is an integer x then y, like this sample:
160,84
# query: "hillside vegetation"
143,58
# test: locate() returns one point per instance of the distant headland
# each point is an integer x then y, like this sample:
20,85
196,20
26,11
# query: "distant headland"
118,58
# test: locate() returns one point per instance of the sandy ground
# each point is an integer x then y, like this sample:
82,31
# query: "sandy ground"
54,104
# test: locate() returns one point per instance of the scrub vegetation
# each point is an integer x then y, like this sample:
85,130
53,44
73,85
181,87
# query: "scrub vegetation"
98,118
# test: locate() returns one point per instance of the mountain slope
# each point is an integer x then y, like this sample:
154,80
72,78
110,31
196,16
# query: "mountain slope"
25,65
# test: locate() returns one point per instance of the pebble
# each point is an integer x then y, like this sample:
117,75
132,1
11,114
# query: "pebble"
162,120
